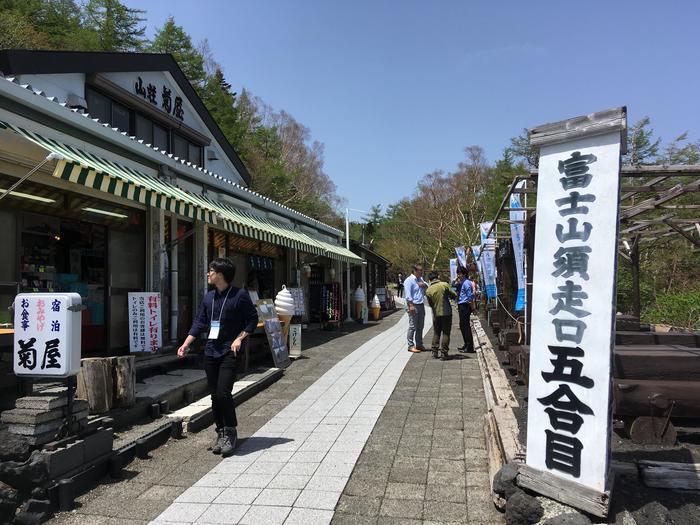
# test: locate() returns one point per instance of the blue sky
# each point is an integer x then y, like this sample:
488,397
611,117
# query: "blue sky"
396,89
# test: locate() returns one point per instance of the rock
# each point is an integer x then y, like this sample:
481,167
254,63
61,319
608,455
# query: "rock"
686,514
504,480
653,513
33,512
570,518
25,475
13,447
8,503
523,509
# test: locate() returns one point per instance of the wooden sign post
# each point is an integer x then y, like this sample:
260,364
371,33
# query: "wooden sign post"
573,310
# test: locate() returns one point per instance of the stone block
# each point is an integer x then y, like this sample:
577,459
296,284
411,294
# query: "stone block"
25,416
42,402
35,430
41,439
65,459
98,444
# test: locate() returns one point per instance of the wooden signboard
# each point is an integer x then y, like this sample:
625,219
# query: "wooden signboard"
573,310
274,332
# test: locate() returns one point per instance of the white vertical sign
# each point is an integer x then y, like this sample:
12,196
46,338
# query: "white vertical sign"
453,270
145,323
489,258
573,304
47,334
295,340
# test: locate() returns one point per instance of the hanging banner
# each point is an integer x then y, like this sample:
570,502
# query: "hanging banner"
453,270
489,259
476,251
145,325
573,309
461,256
517,235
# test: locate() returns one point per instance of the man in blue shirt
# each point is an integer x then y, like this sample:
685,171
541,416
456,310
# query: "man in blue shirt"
229,316
465,306
414,288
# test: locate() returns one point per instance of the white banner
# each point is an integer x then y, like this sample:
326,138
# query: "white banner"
573,309
145,323
453,270
489,259
476,251
461,255
517,235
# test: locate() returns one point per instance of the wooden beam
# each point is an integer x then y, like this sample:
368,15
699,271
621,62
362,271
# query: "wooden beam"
683,233
670,194
668,475
677,170
599,123
640,226
650,185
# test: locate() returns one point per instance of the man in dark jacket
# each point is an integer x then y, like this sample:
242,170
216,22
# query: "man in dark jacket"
438,296
229,316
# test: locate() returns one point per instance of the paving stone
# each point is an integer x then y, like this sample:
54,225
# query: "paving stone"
409,491
445,511
300,516
352,519
223,513
238,495
400,508
317,499
363,487
187,512
277,497
444,492
273,515
199,495
362,506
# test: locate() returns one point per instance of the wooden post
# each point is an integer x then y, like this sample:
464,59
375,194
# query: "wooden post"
634,257
95,384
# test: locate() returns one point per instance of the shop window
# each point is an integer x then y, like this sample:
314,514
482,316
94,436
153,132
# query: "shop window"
144,129
160,138
179,146
121,117
99,106
194,154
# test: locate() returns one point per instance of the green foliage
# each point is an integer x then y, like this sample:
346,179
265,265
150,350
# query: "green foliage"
641,148
118,28
679,308
172,38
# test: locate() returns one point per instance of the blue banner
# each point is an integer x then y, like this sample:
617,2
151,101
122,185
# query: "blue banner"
517,234
489,258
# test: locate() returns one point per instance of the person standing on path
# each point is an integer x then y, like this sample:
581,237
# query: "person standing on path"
465,306
414,287
229,316
438,296
399,285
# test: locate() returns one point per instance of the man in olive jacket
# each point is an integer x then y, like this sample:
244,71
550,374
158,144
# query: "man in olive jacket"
438,295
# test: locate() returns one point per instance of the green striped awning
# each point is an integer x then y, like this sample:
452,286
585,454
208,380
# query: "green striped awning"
84,168
87,169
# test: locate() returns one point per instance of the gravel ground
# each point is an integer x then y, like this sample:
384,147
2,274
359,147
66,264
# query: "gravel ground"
647,505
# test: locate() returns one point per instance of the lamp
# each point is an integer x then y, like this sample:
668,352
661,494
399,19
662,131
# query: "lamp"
331,272
307,270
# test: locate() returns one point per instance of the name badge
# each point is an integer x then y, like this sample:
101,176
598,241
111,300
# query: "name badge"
214,331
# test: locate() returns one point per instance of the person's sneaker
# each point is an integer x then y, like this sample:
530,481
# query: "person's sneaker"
413,349
421,348
228,444
462,350
444,357
435,355
215,447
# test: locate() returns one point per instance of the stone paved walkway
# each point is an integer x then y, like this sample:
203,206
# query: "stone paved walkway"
295,467
425,460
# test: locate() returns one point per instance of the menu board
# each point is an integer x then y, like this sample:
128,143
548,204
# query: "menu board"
273,330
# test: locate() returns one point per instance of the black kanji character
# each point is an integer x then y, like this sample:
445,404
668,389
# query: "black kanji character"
140,90
25,303
566,369
570,260
576,170
574,233
151,94
56,305
572,200
167,101
561,335
561,420
177,110
570,296
26,356
51,354
55,326
563,453
564,399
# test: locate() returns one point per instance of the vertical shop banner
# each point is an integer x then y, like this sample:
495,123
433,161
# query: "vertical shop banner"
145,322
517,235
295,340
275,335
461,255
489,259
573,310
453,270
476,251
299,304
47,335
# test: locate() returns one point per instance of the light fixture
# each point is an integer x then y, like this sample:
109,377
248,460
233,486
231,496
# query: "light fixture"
331,272
109,213
28,196
307,270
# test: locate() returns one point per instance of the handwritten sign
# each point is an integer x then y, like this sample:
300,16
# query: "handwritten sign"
295,340
572,309
298,296
47,335
145,323
273,330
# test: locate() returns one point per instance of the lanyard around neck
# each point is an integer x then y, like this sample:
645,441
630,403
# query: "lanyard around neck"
222,306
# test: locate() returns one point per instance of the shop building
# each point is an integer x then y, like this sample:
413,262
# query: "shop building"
134,188
371,274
